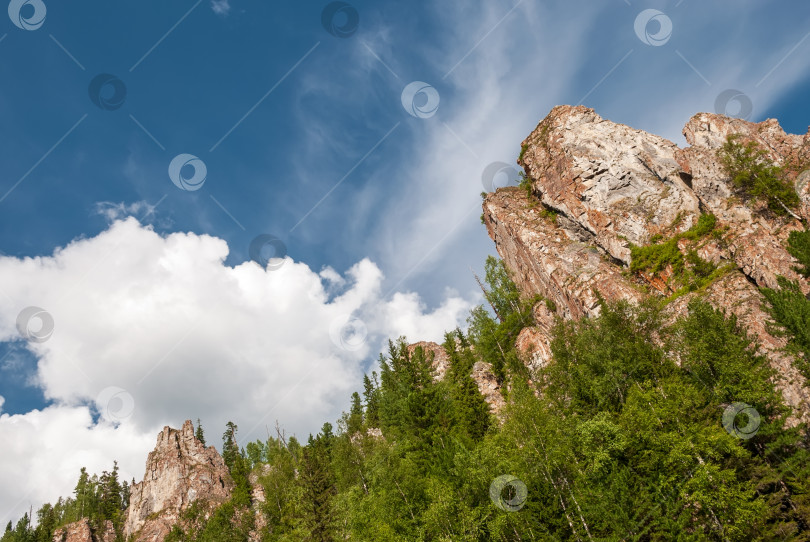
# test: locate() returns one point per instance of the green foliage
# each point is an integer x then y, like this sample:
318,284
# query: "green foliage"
549,214
494,339
690,272
355,419
756,176
371,400
526,184
799,248
227,523
471,411
97,498
545,212
238,465
199,434
790,311
318,484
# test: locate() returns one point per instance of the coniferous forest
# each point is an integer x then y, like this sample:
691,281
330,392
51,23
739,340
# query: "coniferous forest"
624,435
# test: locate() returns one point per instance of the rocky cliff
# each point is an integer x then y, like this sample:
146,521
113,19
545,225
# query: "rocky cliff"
82,531
179,472
597,188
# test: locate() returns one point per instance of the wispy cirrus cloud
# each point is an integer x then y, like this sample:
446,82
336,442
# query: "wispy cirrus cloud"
221,7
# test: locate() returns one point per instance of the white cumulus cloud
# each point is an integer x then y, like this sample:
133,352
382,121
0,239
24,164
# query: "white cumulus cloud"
150,330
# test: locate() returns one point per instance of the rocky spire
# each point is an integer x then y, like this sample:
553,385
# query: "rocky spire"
179,472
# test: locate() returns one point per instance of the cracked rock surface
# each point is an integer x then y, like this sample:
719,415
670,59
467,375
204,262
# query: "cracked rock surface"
611,186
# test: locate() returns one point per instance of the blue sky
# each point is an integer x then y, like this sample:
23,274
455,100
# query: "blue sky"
304,137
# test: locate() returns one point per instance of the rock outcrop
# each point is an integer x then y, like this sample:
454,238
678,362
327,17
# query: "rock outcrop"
82,531
179,471
598,187
441,363
482,374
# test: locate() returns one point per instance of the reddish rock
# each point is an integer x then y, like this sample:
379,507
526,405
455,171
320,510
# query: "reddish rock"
441,363
82,531
535,341
611,186
482,374
545,260
179,472
756,238
615,184
488,387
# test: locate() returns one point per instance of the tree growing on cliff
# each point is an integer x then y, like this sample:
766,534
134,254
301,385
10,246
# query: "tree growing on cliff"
799,247
199,434
494,338
237,464
756,176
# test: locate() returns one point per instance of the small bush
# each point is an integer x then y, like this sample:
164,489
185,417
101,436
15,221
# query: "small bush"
657,257
526,184
549,214
705,225
523,148
756,176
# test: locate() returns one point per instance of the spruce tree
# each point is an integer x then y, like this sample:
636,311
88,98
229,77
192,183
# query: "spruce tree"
237,464
199,434
354,423
318,489
372,400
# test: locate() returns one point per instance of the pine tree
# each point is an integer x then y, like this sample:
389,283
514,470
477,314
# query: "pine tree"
199,433
372,400
230,450
84,496
354,423
110,497
318,485
124,495
237,464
